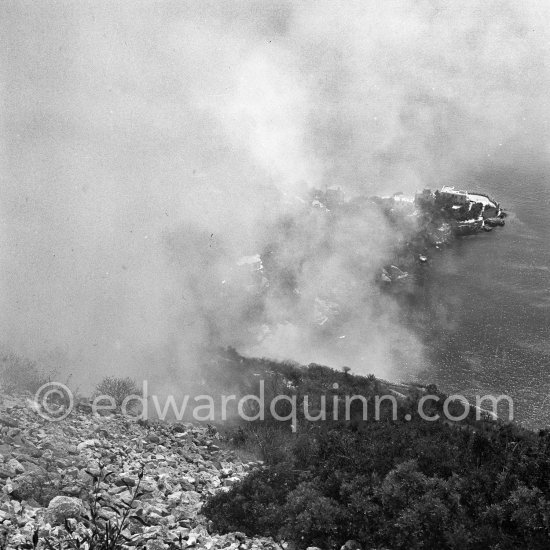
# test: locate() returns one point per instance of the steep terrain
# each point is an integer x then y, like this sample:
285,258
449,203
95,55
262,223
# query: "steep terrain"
42,461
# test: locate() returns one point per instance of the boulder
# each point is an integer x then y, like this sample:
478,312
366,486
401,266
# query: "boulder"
15,465
88,443
8,421
62,508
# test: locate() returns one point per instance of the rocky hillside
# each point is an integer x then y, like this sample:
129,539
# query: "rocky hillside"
57,486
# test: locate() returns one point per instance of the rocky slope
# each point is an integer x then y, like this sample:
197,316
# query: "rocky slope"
47,472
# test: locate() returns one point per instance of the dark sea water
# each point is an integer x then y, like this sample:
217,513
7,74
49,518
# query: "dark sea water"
485,303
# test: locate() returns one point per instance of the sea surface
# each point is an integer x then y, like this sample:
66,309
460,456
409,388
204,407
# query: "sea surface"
485,304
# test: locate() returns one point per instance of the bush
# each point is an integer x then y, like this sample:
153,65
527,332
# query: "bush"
313,517
19,374
387,484
117,388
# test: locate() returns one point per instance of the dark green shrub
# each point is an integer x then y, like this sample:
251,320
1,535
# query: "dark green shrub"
388,483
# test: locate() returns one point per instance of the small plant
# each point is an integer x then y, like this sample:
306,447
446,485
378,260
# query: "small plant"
117,388
100,534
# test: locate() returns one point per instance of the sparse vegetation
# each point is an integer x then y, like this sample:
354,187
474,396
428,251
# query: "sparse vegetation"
100,534
117,388
19,374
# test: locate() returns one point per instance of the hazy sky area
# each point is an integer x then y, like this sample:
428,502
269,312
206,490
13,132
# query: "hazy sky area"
147,145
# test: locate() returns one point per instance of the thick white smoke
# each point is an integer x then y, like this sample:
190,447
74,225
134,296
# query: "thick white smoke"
147,145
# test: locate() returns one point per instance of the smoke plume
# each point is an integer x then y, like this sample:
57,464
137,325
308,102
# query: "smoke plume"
147,146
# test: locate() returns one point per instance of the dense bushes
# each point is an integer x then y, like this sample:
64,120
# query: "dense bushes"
399,485
394,484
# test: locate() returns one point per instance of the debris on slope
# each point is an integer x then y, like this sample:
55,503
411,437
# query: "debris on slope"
47,470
